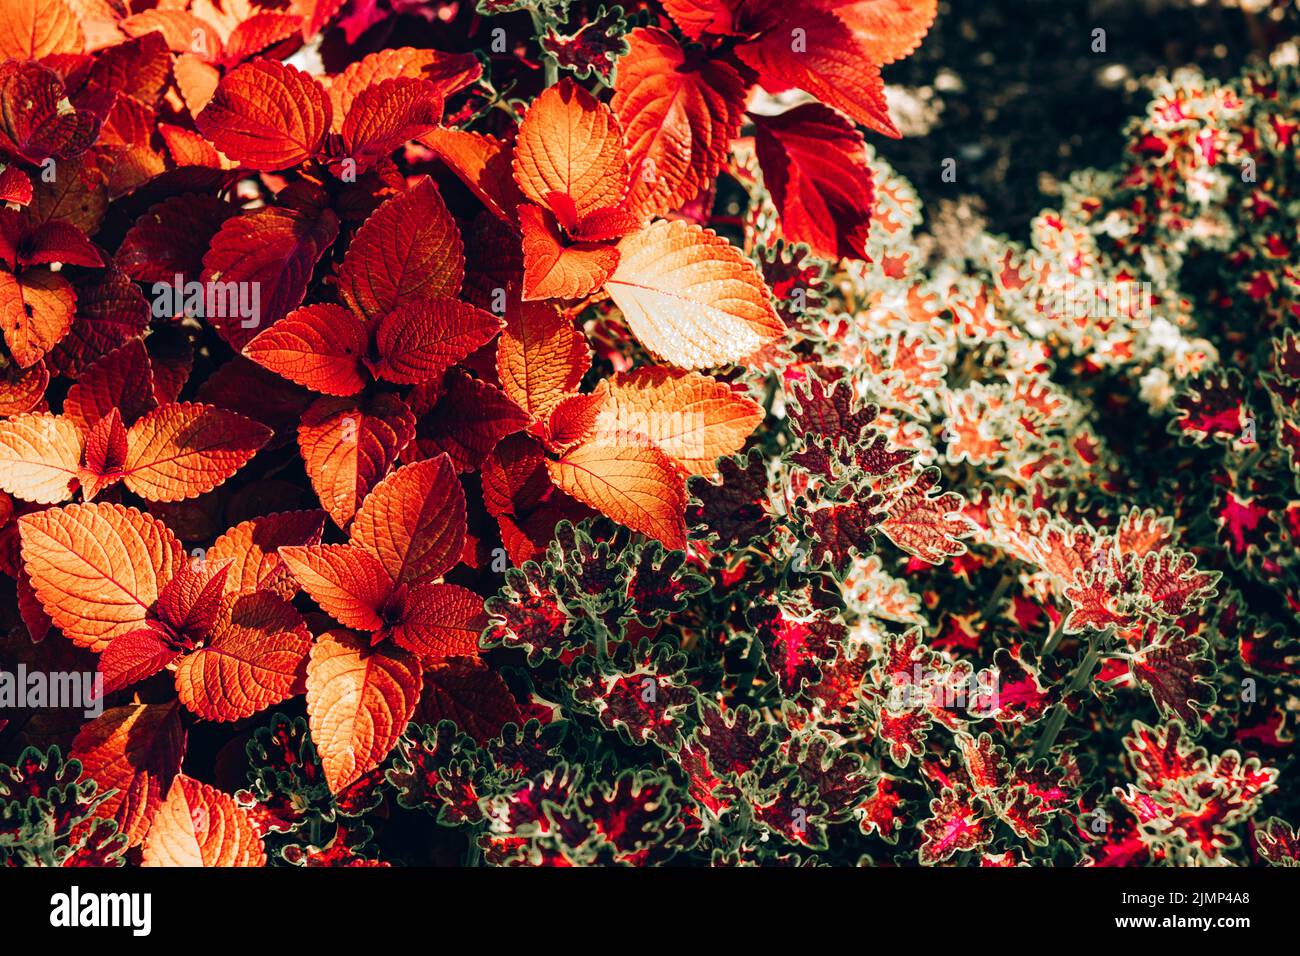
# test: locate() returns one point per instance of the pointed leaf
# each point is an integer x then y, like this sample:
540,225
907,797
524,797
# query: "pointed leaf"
359,700
628,479
40,455
254,658
182,450
98,568
414,521
409,249
348,582
693,418
570,144
198,825
348,447
267,115
692,297
321,347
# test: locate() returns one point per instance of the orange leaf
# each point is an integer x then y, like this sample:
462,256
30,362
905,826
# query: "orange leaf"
888,29
122,380
253,658
183,450
197,80
693,418
184,32
679,114
483,163
348,582
414,521
572,420
556,270
347,447
692,297
321,347
629,480
359,700
409,249
134,750
198,825
272,250
40,455
541,357
442,620
447,72
570,144
386,115
36,311
267,115
253,550
98,568
829,61
420,340
34,29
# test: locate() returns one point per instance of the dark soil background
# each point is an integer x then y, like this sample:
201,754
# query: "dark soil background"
1023,101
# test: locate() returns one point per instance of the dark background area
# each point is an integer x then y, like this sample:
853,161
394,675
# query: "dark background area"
1023,100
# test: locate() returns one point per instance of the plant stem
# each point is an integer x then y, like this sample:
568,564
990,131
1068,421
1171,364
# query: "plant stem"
1078,680
550,69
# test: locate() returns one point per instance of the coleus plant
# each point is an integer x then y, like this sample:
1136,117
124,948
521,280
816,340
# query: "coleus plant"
545,443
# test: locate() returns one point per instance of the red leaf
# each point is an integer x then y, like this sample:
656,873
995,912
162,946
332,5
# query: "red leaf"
132,752
447,72
815,164
267,115
570,146
347,581
34,123
273,251
188,604
471,695
121,381
172,237
35,29
134,656
348,447
36,311
466,421
441,621
420,340
386,115
321,347
414,521
254,658
359,700
409,249
815,51
679,114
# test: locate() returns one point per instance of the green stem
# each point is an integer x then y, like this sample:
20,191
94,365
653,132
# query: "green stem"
1078,680
550,69
1058,634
